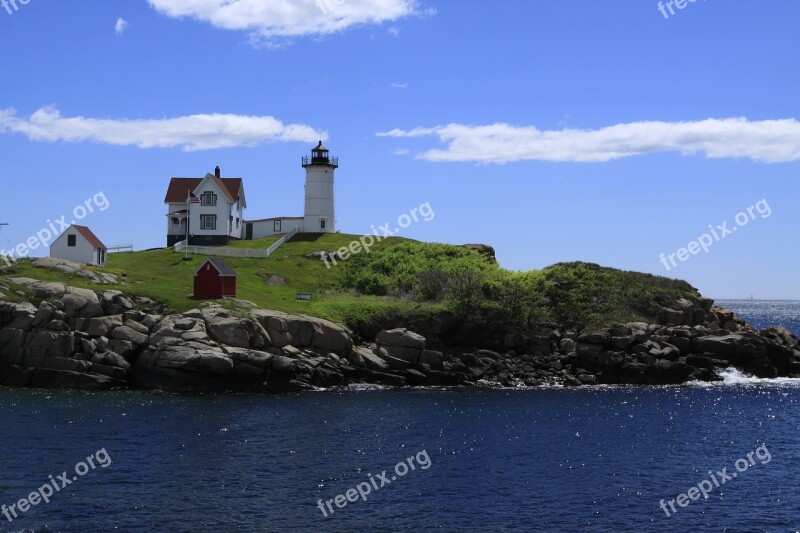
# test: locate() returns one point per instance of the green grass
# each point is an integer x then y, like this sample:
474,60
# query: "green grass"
399,283
259,244
164,276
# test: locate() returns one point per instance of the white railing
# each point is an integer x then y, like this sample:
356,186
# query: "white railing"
219,251
234,252
294,231
120,248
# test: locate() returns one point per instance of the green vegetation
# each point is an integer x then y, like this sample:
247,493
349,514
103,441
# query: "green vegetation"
575,295
260,244
400,283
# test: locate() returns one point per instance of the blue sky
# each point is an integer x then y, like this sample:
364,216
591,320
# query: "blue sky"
554,131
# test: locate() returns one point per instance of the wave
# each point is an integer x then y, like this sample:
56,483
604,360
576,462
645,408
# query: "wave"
734,377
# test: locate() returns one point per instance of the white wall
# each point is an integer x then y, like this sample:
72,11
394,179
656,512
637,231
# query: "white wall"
82,252
266,228
238,212
319,202
221,210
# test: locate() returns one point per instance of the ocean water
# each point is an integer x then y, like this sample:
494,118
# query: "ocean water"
588,459
763,313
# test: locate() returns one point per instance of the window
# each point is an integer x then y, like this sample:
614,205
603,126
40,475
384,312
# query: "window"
208,221
208,198
237,223
72,240
175,221
322,224
276,226
231,222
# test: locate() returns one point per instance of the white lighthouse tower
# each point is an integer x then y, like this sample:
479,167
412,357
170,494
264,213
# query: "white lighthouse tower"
319,216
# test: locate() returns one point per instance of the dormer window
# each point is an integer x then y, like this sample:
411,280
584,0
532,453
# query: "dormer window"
208,198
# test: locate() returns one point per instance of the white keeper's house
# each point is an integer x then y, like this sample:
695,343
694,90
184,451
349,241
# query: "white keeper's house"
210,210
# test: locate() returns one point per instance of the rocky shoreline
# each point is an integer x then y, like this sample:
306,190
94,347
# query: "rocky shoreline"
77,339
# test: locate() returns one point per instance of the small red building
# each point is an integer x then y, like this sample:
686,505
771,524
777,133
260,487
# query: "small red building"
214,279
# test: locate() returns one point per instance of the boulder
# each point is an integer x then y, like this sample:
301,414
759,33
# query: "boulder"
327,376
668,373
253,358
601,337
401,344
303,332
623,342
365,358
328,336
671,317
432,358
136,326
683,344
633,373
723,347
81,303
395,363
188,367
124,333
233,331
50,344
111,359
120,347
567,346
102,326
230,331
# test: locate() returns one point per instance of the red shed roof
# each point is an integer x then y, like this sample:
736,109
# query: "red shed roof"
179,188
89,236
224,269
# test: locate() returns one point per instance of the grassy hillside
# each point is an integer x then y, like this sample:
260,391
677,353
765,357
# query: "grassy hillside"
400,282
164,276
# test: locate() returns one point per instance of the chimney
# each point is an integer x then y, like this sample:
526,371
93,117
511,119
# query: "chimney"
216,171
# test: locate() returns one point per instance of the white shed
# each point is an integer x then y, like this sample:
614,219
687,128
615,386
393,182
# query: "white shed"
80,245
258,229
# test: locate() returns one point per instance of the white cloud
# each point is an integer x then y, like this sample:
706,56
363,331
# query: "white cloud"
394,32
402,151
768,141
194,132
398,85
120,26
272,20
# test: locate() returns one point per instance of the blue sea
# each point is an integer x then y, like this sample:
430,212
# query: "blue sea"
588,459
763,313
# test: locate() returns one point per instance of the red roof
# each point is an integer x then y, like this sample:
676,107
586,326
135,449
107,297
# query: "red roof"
89,236
224,269
179,188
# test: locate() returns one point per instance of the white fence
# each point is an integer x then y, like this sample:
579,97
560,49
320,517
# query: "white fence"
120,249
282,240
234,252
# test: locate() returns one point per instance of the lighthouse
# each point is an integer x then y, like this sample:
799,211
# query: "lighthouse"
320,215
